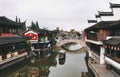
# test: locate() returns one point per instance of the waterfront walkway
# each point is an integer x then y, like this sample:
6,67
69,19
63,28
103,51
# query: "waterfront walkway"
101,71
78,41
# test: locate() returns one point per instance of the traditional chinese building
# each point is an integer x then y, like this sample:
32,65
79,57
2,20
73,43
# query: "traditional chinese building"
42,40
95,35
12,44
112,48
103,43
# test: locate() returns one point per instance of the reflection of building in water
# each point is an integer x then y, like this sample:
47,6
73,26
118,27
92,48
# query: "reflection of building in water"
33,72
61,62
38,68
44,64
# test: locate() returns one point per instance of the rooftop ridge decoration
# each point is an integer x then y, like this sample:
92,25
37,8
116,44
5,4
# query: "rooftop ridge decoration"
92,21
101,24
105,13
6,21
97,16
114,5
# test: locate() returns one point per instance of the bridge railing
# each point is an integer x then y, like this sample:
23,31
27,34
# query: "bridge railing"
60,43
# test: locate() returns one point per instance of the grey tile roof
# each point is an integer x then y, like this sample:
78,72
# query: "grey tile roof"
15,39
4,21
115,41
101,25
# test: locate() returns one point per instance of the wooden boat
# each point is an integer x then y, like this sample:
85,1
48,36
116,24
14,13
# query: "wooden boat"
62,54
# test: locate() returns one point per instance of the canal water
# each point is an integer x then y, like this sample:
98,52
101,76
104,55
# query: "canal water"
75,47
49,66
73,66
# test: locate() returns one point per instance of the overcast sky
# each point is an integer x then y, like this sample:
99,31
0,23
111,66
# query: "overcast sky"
66,14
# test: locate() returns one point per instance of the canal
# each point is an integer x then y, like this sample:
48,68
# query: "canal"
50,66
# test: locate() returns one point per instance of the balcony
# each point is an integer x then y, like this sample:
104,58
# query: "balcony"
113,58
12,56
98,35
114,61
92,36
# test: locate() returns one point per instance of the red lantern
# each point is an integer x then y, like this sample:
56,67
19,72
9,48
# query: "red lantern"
118,48
111,47
115,48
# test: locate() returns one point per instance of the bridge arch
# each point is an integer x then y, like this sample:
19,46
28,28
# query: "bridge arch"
62,42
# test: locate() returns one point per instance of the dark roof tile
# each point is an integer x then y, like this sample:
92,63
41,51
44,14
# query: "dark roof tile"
4,21
101,25
15,39
115,41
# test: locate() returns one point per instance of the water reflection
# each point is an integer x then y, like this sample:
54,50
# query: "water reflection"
39,66
72,46
33,71
62,62
73,67
75,47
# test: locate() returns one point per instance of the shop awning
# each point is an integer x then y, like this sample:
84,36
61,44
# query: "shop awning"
115,41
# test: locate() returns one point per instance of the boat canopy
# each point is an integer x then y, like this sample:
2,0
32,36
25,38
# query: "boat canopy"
61,51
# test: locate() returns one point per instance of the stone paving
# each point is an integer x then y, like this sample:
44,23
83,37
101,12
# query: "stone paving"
104,72
101,71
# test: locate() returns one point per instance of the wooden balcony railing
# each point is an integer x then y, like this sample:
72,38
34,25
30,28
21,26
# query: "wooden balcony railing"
21,51
113,58
97,37
11,54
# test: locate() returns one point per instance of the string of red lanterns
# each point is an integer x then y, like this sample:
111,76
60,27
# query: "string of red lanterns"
112,47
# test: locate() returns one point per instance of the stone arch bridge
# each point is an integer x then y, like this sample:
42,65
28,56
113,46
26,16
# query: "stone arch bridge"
78,41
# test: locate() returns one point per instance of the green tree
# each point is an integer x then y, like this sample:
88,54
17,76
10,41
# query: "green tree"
35,26
22,24
78,34
16,19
